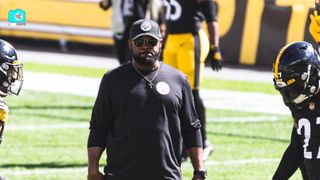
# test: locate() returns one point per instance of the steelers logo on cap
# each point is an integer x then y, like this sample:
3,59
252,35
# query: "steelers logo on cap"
145,26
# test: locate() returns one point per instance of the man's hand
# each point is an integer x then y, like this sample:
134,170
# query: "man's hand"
215,58
95,176
199,175
314,27
94,154
105,4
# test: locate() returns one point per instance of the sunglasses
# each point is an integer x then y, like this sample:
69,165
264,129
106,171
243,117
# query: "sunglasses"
151,42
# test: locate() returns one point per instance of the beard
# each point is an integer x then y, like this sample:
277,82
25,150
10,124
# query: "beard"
149,58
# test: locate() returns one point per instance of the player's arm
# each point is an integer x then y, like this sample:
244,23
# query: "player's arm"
4,112
95,148
94,154
196,154
190,130
101,120
209,11
162,20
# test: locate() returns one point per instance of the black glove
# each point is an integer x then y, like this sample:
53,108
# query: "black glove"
106,5
215,58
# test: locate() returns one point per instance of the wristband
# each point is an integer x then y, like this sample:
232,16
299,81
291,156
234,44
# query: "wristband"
213,47
201,174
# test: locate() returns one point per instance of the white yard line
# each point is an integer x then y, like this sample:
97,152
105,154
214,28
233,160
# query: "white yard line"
107,63
59,83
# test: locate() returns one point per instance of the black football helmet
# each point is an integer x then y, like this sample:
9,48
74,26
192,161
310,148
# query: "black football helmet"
11,72
296,72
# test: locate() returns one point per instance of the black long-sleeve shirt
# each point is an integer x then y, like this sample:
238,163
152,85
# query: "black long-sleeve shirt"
143,128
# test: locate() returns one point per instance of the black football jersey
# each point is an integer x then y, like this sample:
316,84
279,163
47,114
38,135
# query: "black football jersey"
308,120
183,16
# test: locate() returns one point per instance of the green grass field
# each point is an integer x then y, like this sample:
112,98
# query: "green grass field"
46,135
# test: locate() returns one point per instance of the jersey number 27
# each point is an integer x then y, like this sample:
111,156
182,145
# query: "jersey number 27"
305,123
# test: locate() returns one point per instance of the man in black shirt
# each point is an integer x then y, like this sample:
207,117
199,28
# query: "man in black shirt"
296,76
143,114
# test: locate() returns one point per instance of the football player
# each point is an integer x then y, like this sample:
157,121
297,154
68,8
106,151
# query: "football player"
296,76
293,157
187,46
11,79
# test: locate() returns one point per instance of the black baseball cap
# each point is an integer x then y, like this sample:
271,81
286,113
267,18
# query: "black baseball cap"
145,27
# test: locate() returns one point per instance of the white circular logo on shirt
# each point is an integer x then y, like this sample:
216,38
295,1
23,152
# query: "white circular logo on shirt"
145,26
163,88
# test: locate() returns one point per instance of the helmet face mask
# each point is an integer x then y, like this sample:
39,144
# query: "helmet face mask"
15,78
296,72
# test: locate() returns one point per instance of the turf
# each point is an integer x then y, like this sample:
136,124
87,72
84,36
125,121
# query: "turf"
210,83
46,136
34,149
